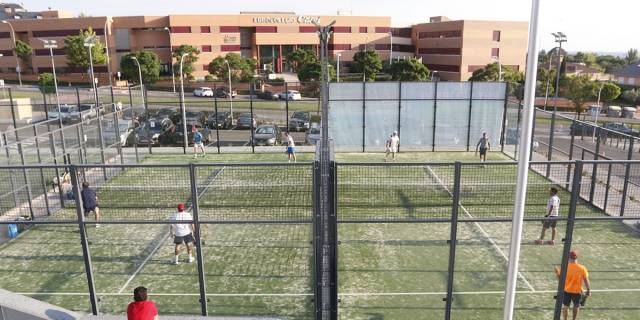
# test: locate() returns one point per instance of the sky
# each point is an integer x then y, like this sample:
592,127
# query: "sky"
590,25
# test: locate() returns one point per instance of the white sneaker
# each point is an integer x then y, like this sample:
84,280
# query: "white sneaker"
190,260
175,260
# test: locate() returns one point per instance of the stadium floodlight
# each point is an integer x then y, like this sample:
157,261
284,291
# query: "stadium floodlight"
523,164
182,106
559,38
53,44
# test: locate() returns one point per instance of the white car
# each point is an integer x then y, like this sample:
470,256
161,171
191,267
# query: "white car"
291,95
203,92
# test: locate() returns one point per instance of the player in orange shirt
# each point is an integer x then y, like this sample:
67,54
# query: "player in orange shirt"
576,275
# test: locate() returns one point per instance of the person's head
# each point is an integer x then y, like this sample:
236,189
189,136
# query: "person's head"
140,294
395,133
553,191
85,185
180,207
573,255
286,133
484,134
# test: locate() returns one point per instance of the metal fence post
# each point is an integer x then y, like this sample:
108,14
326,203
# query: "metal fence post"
573,137
83,142
253,144
575,195
550,150
607,187
86,254
42,179
435,114
453,240
364,115
519,119
215,106
286,106
101,140
399,108
333,240
198,237
120,144
594,170
504,119
11,176
45,107
533,132
317,241
469,116
21,153
627,172
55,162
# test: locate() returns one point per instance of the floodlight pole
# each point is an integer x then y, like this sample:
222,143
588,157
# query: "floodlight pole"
13,37
560,38
173,76
182,105
106,45
135,59
52,44
523,163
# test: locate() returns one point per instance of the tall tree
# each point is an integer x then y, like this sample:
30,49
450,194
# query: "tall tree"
367,62
149,67
311,74
46,82
78,55
242,69
409,70
490,73
579,90
23,51
300,57
632,56
189,60
610,92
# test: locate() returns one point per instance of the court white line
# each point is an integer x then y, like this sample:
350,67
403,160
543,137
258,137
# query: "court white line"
163,239
493,243
346,294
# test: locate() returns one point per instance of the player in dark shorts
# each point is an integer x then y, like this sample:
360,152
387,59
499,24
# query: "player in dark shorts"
90,201
484,145
182,232
577,275
551,215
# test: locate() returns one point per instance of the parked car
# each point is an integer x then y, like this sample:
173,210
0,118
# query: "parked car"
267,135
299,121
223,92
149,132
195,116
175,136
621,128
113,135
66,111
268,95
203,92
290,95
312,136
221,120
245,121
166,113
579,128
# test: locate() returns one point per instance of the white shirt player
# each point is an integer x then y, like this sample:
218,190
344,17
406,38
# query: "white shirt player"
181,229
290,142
392,143
553,206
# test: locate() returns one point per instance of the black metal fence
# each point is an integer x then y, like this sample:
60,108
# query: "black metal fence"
429,235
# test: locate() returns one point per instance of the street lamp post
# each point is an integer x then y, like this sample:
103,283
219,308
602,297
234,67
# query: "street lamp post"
106,44
593,138
13,37
546,94
390,47
560,38
338,55
52,44
230,91
135,59
173,76
184,116
89,43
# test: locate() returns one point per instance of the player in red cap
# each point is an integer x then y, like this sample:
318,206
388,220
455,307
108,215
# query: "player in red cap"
182,232
577,274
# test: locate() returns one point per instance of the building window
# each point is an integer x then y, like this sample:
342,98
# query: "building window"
363,29
5,35
225,48
440,34
362,46
178,29
267,29
206,48
229,29
205,29
205,67
443,67
495,52
404,48
45,52
383,29
337,46
6,53
401,32
382,46
62,33
446,51
496,35
341,29
307,29
472,68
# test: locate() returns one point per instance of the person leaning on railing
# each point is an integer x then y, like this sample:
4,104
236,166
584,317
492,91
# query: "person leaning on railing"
141,308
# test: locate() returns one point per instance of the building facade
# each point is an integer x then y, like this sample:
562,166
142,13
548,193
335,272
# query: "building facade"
266,37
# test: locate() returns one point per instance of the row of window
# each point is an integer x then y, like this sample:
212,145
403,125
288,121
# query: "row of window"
301,29
453,34
495,52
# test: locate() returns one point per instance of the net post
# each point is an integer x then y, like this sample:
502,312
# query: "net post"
594,170
251,93
215,108
364,115
197,235
453,239
86,254
575,195
469,116
399,109
317,237
550,150
435,114
627,173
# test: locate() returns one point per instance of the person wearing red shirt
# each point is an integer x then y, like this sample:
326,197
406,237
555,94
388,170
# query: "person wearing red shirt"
141,308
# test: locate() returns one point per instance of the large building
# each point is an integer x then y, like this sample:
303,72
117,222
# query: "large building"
267,37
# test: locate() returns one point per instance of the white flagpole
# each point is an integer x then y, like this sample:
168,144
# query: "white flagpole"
523,162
